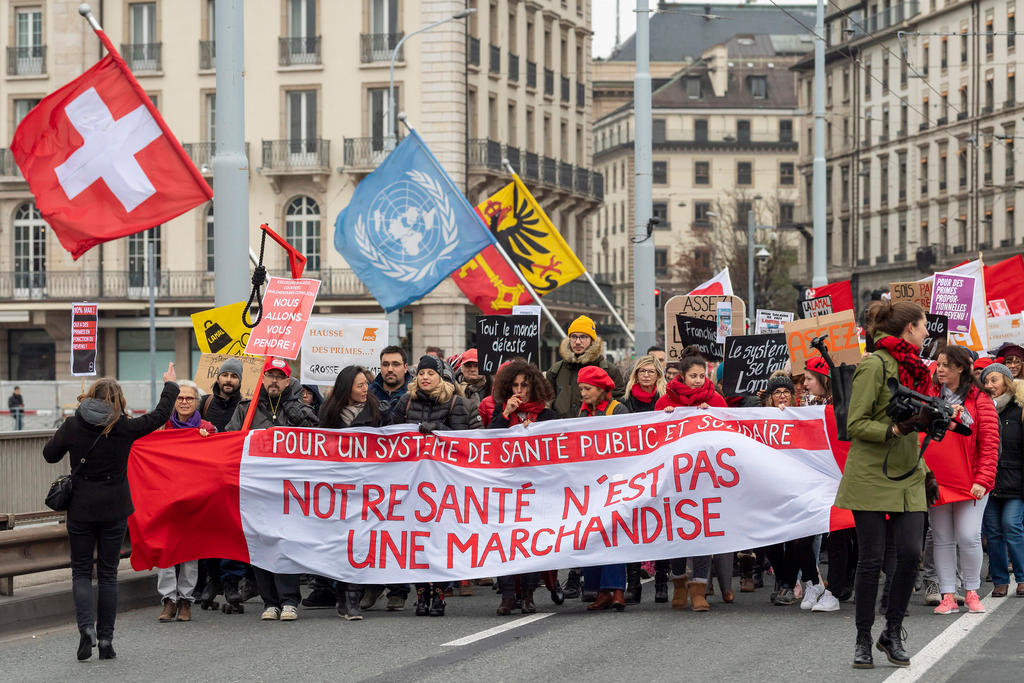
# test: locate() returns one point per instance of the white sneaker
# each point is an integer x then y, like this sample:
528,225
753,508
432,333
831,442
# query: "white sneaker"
289,613
826,603
271,614
811,594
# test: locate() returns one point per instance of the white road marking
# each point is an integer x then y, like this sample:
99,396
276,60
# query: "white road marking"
939,647
529,619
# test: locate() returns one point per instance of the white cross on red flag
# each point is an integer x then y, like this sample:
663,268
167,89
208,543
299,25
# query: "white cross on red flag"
102,162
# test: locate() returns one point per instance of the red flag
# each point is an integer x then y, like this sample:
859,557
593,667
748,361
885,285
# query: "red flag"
720,284
841,293
1003,281
101,161
488,281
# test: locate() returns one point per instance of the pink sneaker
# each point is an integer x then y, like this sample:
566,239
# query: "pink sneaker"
973,602
948,604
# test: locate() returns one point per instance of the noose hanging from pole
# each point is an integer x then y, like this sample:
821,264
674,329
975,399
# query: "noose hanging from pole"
259,278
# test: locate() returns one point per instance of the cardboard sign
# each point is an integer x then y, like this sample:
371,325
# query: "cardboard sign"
723,314
700,333
769,322
1005,329
330,344
209,368
287,305
843,341
703,306
220,330
84,321
997,308
812,308
503,337
953,297
919,293
938,335
750,362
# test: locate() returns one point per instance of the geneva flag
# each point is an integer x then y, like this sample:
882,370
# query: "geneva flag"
407,227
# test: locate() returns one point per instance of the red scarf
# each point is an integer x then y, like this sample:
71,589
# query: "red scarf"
913,372
526,412
640,394
681,394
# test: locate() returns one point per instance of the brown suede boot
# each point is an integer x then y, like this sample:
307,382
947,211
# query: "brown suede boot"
184,610
506,607
170,609
603,601
698,603
618,600
679,593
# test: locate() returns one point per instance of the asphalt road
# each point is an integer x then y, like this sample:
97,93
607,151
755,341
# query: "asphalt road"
749,640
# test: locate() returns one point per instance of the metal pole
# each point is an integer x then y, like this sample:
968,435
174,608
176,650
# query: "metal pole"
643,249
820,275
750,264
230,163
151,276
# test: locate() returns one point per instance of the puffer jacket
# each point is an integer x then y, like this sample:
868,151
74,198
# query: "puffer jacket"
291,411
980,449
563,374
431,414
1010,471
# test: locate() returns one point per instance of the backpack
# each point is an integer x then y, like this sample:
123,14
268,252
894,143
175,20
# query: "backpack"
612,405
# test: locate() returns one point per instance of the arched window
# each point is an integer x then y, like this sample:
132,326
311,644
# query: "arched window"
302,229
209,239
29,250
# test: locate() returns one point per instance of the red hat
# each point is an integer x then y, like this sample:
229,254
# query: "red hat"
817,364
277,364
470,356
595,376
983,363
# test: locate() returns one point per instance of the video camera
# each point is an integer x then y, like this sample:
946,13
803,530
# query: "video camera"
938,415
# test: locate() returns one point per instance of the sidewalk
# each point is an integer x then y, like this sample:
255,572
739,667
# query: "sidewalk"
44,600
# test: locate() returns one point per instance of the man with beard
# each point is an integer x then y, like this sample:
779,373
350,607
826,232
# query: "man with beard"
580,349
219,405
394,378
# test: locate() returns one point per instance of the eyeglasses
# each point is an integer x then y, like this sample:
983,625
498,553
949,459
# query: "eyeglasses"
781,392
647,371
579,337
186,399
1012,360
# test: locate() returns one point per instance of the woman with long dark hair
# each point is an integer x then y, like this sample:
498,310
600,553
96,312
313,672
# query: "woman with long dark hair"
898,331
98,439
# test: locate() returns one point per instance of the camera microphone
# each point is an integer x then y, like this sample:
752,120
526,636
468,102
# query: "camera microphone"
960,428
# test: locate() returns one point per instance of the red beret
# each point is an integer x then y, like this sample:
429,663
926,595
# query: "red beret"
595,376
817,364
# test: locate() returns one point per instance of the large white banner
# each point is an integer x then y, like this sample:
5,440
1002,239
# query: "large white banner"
393,505
330,344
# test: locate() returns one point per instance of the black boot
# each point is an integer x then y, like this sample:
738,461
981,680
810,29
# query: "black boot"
348,605
891,643
557,594
862,652
633,586
572,584
107,650
422,601
86,643
660,586
231,593
437,602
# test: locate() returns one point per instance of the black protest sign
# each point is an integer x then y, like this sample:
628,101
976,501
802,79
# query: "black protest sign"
700,333
812,308
750,361
84,323
500,338
938,330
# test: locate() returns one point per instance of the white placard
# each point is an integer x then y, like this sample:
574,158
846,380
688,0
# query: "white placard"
770,322
330,344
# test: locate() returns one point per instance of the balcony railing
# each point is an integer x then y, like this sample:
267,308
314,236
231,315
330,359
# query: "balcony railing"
549,82
582,181
531,74
26,60
313,154
961,115
142,56
565,175
8,169
366,153
202,153
597,186
549,170
531,169
581,95
377,47
579,293
207,54
566,90
495,61
513,67
513,156
485,154
473,51
299,51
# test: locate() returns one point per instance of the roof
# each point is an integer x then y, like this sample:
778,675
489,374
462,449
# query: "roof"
781,90
680,32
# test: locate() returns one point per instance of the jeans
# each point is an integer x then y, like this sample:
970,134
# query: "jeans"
105,539
608,577
19,418
1003,523
701,568
178,582
957,526
907,532
278,590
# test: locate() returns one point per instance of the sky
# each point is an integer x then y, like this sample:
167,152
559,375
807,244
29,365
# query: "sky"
603,19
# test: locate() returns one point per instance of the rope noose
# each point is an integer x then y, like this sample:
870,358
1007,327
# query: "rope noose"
259,278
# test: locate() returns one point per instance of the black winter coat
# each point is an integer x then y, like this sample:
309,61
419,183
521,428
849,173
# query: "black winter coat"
450,415
1010,470
219,411
291,411
99,488
635,405
363,419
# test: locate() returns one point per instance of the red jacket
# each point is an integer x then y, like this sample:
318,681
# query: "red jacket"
980,450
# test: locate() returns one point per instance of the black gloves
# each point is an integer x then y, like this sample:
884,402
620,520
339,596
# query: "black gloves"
428,427
931,488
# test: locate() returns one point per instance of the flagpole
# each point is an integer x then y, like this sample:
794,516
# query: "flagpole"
529,288
586,272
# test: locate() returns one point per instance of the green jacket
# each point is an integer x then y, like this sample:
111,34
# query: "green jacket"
864,486
562,376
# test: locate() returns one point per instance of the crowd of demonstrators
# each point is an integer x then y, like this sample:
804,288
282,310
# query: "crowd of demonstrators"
394,379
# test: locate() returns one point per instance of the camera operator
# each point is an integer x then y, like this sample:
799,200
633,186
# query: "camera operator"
898,331
958,525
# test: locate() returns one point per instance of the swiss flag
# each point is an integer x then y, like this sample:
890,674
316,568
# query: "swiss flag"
101,161
720,284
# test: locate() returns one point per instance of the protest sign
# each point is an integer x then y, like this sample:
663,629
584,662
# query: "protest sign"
221,330
953,297
751,360
702,306
938,335
977,338
1005,329
723,314
843,341
526,309
771,321
841,293
393,506
998,308
503,337
700,333
287,305
812,308
209,367
330,344
84,321
919,293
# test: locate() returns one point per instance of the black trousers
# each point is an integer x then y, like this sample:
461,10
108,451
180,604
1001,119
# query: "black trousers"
277,590
842,559
794,557
105,539
907,530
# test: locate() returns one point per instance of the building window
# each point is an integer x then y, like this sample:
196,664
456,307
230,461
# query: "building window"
301,45
743,130
210,262
31,355
885,73
963,46
759,87
29,52
744,173
29,251
867,79
785,213
787,173
302,229
1011,31
990,38
143,54
659,210
692,85
659,172
702,173
785,130
658,130
302,122
133,361
382,126
700,214
21,109
211,117
138,259
661,262
700,130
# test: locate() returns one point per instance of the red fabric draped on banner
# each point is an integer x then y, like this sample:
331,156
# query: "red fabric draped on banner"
1003,280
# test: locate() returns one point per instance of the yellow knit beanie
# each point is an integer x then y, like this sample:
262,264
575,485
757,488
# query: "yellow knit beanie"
583,325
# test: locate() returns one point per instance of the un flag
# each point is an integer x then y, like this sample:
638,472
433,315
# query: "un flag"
408,227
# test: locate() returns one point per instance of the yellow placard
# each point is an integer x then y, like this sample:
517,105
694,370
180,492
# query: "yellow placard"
220,330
